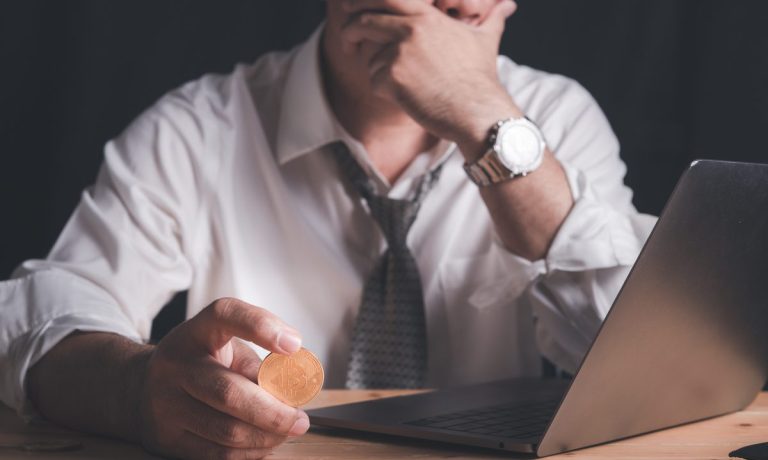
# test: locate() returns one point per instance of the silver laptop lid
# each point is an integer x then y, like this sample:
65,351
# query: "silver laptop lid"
687,337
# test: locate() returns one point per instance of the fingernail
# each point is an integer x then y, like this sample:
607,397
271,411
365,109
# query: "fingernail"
289,341
300,426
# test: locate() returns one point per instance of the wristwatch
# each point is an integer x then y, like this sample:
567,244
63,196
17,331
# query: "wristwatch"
516,149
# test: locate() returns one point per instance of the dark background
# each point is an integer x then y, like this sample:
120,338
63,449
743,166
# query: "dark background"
679,79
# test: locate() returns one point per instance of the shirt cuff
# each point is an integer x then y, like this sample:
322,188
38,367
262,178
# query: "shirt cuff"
594,235
28,349
34,321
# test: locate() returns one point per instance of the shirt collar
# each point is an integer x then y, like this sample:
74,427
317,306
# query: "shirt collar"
306,121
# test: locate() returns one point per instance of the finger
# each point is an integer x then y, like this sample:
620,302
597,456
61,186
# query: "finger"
380,63
192,446
403,7
375,27
223,429
233,394
497,16
246,361
226,318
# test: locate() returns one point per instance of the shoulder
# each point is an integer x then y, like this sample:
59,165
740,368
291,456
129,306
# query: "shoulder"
570,118
223,98
199,113
543,95
195,128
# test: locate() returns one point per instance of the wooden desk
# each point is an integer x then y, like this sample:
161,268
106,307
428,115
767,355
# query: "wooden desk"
711,439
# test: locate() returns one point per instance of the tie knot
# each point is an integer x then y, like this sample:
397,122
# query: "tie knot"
394,217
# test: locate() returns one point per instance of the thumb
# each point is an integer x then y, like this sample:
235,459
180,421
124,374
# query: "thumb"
494,21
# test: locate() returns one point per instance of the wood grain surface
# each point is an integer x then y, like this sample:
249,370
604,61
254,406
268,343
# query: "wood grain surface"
711,439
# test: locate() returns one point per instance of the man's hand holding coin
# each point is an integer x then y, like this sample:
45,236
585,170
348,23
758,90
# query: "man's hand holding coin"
200,398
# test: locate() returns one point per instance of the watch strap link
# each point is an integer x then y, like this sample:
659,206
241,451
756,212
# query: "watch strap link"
483,171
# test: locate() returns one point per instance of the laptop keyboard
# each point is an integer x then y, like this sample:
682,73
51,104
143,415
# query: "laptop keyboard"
526,420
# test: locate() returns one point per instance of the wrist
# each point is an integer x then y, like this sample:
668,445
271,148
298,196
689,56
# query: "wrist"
136,373
472,140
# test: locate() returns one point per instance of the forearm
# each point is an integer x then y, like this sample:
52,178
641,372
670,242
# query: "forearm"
91,382
527,211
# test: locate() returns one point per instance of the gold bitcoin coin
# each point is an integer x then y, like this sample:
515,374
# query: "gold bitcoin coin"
293,379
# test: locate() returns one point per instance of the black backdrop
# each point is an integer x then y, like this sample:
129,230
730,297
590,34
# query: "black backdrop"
679,79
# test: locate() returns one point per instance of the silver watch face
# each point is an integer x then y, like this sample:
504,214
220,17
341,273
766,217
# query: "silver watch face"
519,147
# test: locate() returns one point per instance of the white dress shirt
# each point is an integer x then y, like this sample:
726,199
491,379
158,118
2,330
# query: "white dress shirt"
226,187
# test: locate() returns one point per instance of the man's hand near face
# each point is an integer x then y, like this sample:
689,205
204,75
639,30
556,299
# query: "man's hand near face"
441,70
192,396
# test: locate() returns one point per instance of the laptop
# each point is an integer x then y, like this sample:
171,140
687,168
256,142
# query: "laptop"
685,340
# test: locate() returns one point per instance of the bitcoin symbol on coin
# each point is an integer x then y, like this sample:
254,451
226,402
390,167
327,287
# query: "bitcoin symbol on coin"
294,379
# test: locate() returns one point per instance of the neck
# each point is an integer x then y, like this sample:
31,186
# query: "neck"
390,136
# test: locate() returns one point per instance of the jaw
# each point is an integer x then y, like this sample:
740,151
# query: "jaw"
347,84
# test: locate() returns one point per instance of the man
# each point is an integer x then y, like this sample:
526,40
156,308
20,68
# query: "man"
260,189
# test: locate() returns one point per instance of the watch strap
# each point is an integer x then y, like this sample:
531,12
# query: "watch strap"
487,169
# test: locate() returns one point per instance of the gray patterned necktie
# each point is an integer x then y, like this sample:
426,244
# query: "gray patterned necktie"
389,345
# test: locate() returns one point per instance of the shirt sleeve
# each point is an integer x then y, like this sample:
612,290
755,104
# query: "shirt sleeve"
582,274
123,253
600,239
